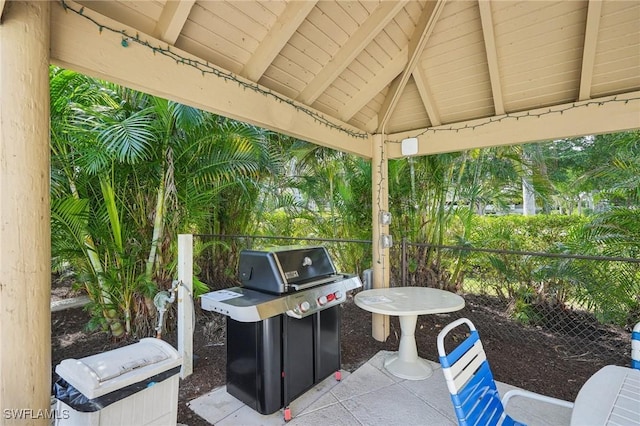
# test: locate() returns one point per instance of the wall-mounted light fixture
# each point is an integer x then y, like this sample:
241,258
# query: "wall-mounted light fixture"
386,241
409,146
384,217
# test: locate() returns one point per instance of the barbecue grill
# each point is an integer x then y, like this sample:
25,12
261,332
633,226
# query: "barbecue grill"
283,325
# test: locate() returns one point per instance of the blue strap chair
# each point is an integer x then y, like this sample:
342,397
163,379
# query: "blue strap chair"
473,390
635,347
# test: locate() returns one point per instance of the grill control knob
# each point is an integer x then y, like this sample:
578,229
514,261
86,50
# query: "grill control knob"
322,300
338,294
304,306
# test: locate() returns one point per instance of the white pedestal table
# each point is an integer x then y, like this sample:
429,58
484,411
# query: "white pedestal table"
610,397
407,303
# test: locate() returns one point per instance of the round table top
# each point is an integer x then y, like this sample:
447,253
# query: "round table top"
601,397
408,301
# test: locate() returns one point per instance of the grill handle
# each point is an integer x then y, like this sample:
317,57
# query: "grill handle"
314,283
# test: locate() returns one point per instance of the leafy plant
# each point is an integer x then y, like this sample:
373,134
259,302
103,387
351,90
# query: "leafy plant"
129,172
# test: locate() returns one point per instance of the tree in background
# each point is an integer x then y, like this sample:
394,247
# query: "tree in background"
129,172
593,172
612,289
568,162
334,191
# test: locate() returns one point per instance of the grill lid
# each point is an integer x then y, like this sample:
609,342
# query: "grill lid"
279,268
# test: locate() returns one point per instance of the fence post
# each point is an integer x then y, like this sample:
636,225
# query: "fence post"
185,303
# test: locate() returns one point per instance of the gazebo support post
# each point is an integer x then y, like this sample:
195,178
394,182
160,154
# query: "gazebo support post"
25,235
380,261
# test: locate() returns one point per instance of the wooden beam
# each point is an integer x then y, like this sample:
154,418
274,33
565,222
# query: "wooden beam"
372,124
425,95
174,15
375,86
78,44
418,41
486,19
278,36
370,29
2,4
603,115
589,51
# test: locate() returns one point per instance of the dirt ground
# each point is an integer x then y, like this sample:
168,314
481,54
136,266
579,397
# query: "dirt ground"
543,364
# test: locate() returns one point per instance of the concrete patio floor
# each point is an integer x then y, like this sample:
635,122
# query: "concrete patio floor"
369,396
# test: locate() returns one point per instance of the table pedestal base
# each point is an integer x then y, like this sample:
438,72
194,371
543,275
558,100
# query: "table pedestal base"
405,363
417,369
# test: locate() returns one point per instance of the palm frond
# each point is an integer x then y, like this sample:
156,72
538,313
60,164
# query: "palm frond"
131,139
112,209
186,118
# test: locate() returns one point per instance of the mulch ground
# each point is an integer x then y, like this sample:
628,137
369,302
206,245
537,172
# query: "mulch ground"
543,364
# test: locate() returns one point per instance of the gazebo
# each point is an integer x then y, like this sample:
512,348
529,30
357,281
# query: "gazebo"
379,79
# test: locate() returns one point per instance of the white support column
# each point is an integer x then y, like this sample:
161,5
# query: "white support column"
185,303
25,232
380,265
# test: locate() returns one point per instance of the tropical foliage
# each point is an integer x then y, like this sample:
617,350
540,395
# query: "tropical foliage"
130,171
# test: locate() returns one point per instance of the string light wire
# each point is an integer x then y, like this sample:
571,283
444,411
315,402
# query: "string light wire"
206,68
518,115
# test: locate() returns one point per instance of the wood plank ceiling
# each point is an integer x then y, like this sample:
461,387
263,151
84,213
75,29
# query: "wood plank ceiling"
403,68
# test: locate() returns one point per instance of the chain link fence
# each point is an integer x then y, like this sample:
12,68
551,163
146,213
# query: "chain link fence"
569,303
535,298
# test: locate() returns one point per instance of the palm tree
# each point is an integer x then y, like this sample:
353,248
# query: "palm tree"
334,199
138,170
613,288
72,241
423,195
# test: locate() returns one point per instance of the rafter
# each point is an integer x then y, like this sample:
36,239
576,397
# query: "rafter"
425,95
418,41
77,43
589,52
277,38
173,17
379,19
375,85
486,19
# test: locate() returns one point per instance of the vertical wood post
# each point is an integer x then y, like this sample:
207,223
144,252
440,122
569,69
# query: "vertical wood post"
185,303
25,232
380,265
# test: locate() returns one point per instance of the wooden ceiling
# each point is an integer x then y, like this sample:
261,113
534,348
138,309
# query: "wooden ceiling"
455,74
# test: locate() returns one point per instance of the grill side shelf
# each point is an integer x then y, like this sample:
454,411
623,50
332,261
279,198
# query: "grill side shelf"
243,304
246,305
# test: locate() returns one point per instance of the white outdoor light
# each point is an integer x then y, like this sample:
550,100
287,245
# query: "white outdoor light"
384,217
386,241
409,146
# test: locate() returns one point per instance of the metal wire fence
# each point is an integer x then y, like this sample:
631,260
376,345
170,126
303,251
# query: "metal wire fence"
572,300
557,300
